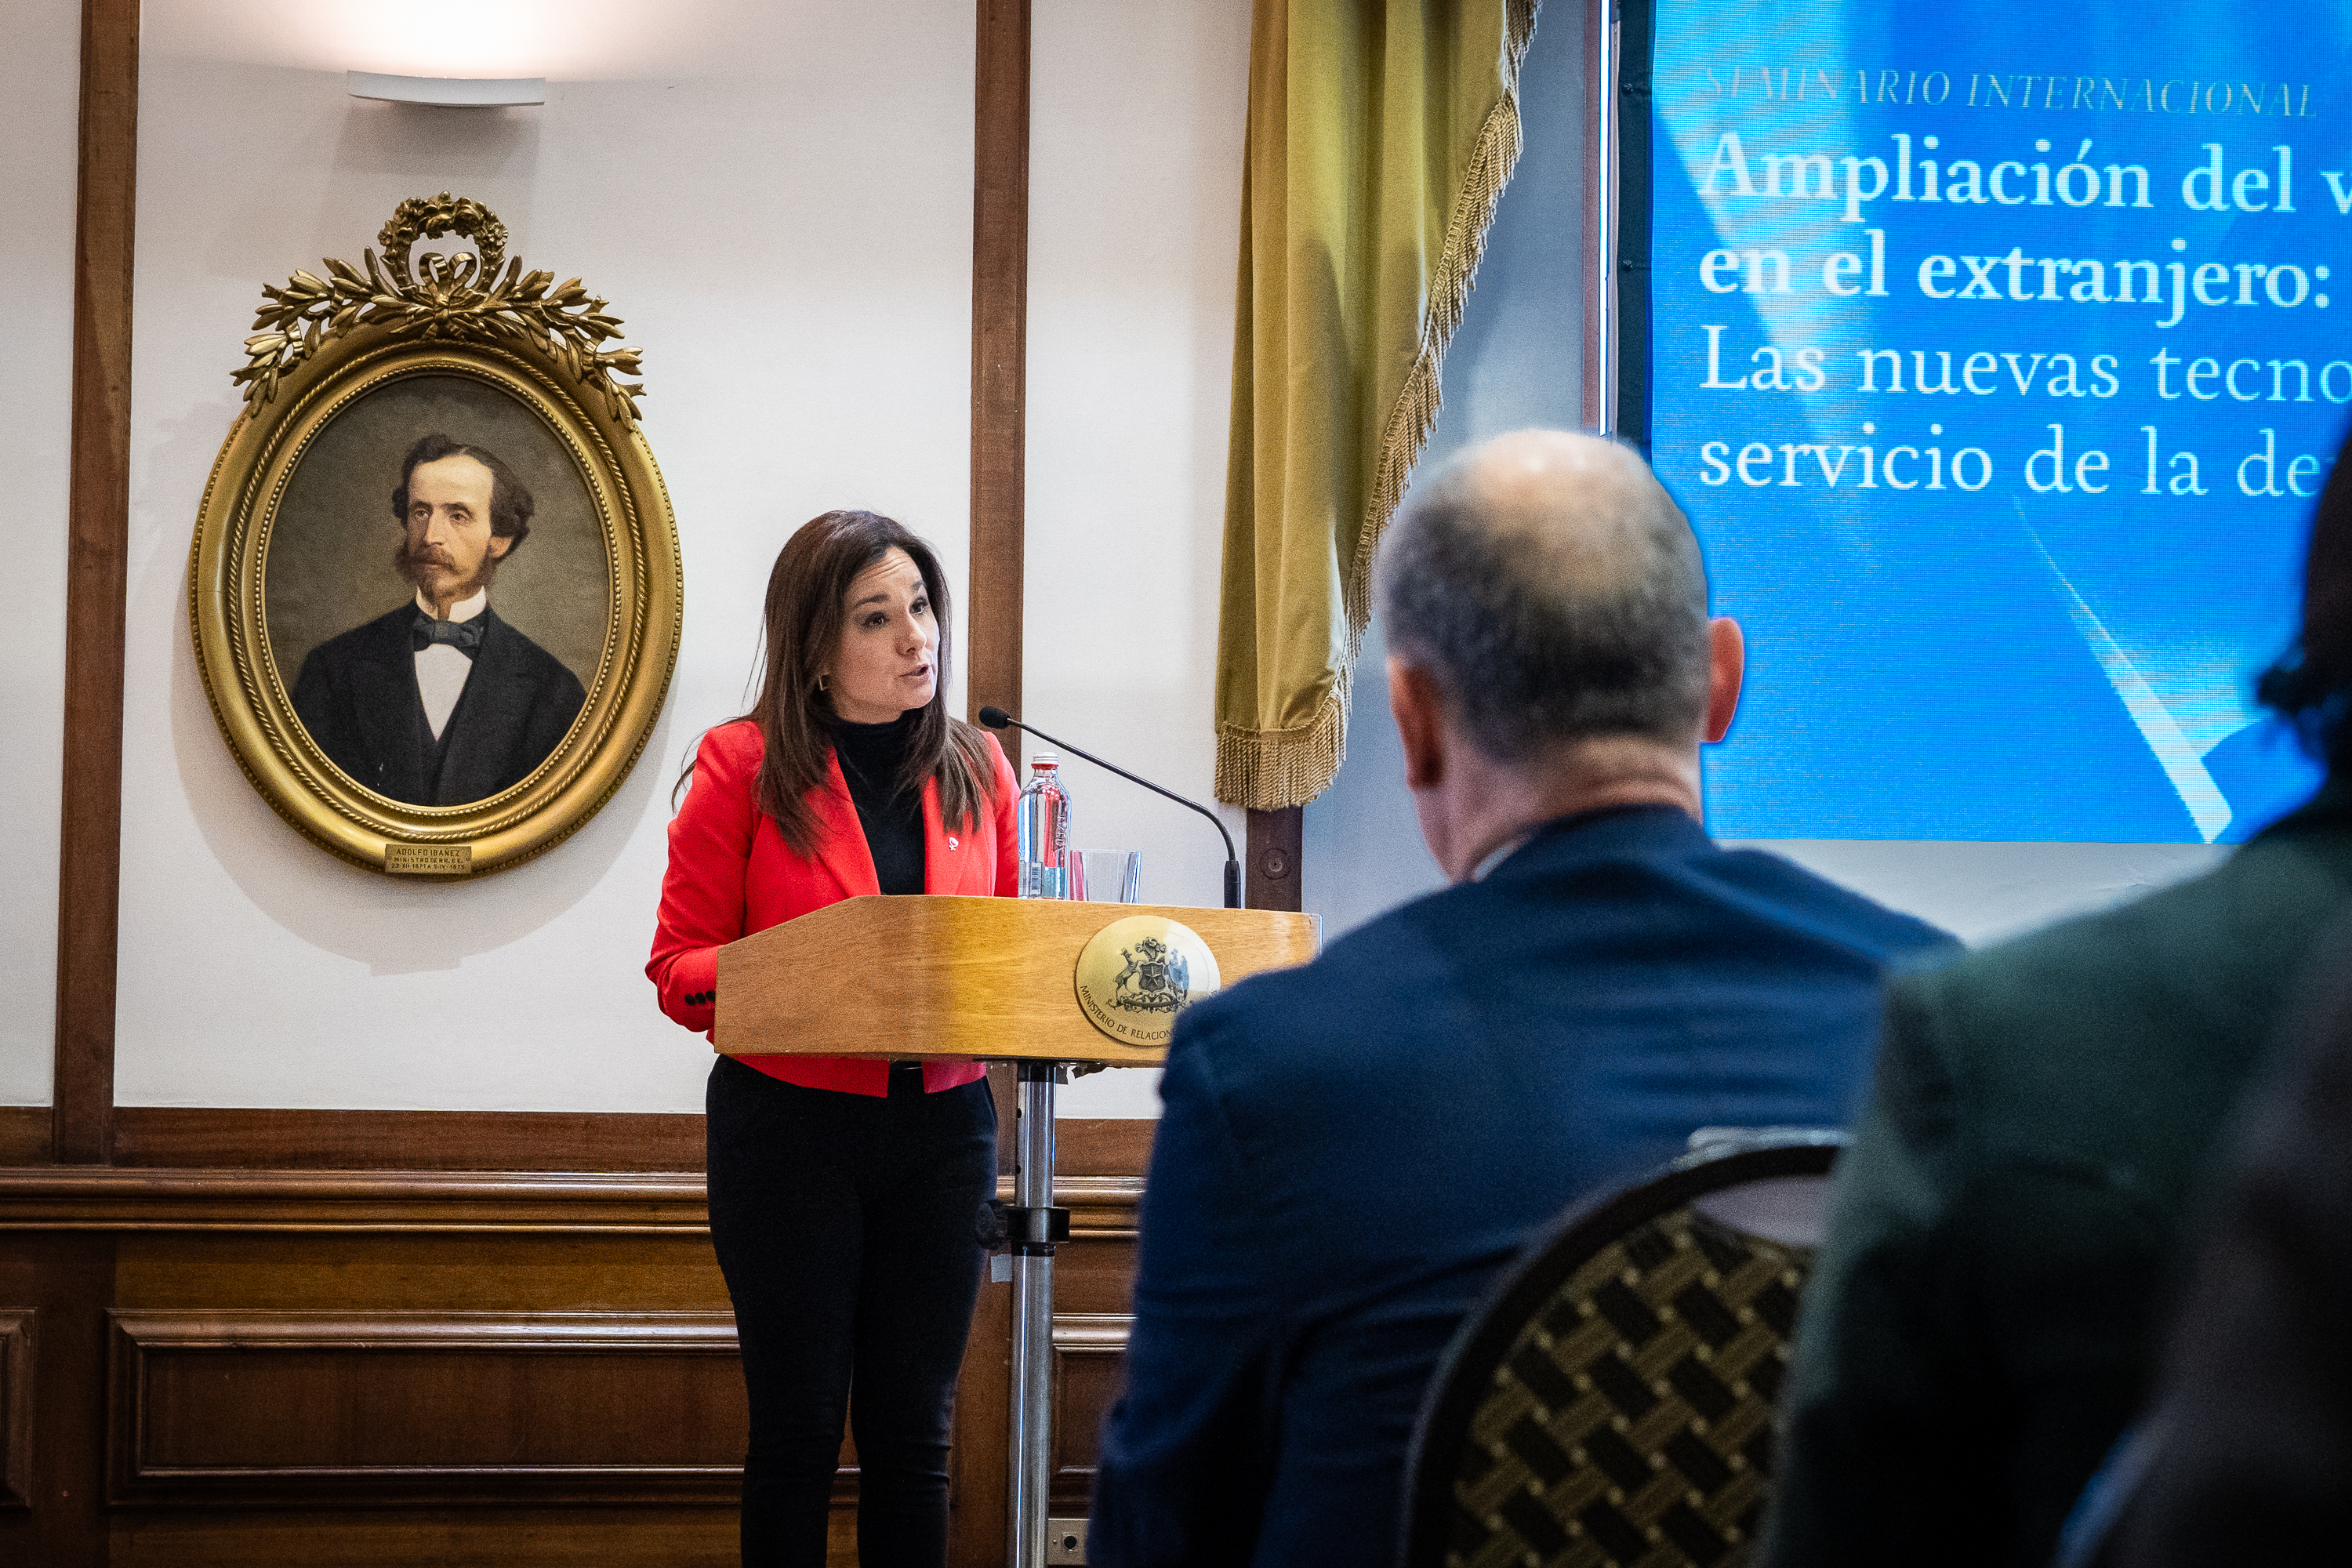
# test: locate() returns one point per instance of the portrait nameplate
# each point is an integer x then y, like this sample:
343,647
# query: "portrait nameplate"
436,587
429,860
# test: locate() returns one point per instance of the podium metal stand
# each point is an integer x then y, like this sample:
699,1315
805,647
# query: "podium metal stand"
995,979
1029,1448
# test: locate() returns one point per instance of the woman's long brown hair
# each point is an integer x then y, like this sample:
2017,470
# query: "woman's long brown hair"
806,592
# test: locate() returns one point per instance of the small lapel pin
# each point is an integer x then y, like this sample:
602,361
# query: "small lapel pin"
952,843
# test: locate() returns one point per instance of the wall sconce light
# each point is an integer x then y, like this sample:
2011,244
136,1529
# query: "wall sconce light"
455,92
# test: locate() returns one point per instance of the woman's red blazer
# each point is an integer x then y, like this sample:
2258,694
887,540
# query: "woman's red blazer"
730,874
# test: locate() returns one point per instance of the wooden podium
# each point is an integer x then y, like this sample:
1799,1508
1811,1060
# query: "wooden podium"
1024,980
937,977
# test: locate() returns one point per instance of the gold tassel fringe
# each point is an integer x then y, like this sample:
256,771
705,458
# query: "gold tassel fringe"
1270,769
1414,415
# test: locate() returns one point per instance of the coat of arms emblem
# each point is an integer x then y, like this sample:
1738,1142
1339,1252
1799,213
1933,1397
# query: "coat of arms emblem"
1157,978
1136,974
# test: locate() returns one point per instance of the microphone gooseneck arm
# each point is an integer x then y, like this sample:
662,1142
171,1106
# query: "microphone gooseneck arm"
997,718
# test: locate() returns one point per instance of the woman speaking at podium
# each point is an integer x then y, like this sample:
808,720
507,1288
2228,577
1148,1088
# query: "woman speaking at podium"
844,1192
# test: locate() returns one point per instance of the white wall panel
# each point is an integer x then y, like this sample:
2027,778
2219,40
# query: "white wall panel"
777,199
1135,174
39,109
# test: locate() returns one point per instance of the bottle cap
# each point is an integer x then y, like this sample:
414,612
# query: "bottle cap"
1044,760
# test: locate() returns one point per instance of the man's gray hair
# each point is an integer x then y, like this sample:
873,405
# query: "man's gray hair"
1554,591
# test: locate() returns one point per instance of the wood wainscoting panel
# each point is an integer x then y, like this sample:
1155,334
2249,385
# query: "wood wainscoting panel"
1109,1146
15,1407
66,1282
276,1368
697,1537
979,1479
1093,1283
239,1409
23,1134
1087,1348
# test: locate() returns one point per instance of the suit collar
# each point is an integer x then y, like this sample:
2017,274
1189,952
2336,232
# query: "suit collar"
841,846
841,843
1609,833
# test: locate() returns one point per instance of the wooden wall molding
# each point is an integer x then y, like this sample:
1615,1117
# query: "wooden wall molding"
98,546
246,1409
16,1408
1000,356
174,1138
55,1198
1091,1334
407,1140
473,1140
1277,850
80,1199
1102,1208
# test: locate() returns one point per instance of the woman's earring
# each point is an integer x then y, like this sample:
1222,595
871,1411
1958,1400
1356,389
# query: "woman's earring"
820,682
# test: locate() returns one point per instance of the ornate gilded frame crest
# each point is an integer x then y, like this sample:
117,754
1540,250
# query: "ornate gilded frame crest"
299,567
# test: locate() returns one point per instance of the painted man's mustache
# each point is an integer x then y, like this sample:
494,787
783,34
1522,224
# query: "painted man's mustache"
412,564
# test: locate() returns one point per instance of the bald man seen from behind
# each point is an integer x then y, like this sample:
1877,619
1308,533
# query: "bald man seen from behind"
1350,1151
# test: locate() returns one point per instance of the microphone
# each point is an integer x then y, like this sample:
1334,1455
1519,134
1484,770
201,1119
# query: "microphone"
997,718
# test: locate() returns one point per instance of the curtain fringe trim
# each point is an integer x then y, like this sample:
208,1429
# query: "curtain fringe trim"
1271,770
1492,159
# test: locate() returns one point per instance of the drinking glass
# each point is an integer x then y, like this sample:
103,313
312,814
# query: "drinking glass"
1107,875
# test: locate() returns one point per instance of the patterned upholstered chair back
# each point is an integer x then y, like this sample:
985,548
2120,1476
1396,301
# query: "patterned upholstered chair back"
1611,1403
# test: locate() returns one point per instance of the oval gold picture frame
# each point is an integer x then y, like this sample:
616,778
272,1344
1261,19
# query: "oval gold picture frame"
529,344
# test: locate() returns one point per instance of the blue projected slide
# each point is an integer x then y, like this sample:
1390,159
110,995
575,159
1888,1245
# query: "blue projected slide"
1997,354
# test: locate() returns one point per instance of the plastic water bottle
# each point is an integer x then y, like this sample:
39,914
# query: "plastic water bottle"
1043,826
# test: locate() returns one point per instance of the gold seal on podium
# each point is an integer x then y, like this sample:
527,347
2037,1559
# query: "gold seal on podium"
1136,974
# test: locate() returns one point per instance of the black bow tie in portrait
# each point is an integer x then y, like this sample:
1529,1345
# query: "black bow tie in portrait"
466,637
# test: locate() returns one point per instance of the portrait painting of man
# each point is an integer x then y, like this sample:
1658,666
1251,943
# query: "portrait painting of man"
439,701
438,697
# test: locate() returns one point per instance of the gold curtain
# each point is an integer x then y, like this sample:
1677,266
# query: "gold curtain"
1380,136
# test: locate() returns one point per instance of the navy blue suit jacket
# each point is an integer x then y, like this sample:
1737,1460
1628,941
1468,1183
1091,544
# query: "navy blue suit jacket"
357,695
1351,1150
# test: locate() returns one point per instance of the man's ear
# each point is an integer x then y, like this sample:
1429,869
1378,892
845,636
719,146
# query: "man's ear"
1420,722
1726,663
500,544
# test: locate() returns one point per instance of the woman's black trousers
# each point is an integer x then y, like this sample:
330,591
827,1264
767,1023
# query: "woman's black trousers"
845,1225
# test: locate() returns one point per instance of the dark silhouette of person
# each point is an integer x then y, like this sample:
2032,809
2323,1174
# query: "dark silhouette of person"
1983,1321
2249,1447
1350,1152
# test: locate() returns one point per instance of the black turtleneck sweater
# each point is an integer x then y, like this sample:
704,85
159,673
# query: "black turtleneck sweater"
871,757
